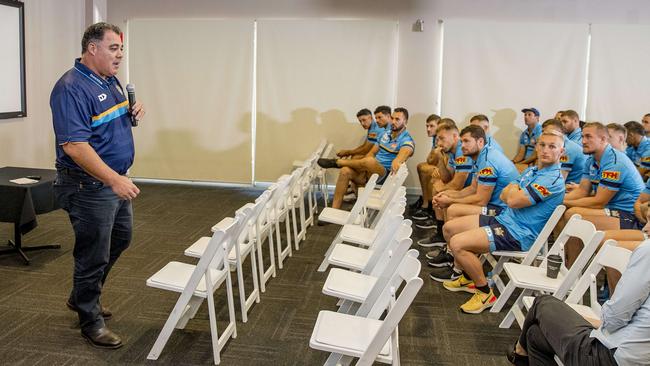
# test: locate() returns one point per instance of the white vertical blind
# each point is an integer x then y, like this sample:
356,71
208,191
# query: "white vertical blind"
313,76
497,69
195,78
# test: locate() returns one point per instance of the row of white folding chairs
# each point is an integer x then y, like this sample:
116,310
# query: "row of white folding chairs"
240,237
355,331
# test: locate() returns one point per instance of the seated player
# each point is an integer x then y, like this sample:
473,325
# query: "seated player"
617,136
572,162
608,189
571,124
482,121
530,200
374,130
620,337
427,169
392,149
526,153
638,147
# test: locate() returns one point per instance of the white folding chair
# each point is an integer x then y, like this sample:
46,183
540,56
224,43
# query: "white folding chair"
321,178
388,189
280,213
530,278
342,217
369,338
365,236
245,247
197,283
536,251
296,199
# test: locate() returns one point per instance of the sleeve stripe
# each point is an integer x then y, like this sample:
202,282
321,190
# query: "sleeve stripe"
533,193
610,184
487,179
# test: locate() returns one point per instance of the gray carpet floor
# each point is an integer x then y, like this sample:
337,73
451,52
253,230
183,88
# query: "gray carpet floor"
37,329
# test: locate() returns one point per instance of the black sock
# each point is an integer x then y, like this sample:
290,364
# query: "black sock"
484,289
466,275
439,224
430,208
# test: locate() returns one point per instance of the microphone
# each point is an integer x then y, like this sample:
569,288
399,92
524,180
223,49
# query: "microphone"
130,91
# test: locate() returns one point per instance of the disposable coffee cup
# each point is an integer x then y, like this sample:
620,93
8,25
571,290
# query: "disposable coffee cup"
553,264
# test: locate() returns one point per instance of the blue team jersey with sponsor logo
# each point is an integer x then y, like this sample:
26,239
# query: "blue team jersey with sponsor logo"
389,147
88,108
374,132
545,191
617,173
461,163
572,161
576,136
528,139
494,169
640,155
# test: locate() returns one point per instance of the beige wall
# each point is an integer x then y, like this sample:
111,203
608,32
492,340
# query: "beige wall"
53,32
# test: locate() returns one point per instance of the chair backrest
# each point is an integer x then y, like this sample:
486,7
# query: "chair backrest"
395,208
362,199
399,196
397,229
609,255
229,239
396,180
584,230
411,268
542,238
256,211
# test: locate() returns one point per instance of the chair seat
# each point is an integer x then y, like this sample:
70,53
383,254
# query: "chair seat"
347,256
347,334
175,275
197,249
348,285
356,234
532,277
334,216
376,193
375,203
224,223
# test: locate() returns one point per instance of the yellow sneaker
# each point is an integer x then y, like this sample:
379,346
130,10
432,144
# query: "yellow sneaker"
479,302
460,284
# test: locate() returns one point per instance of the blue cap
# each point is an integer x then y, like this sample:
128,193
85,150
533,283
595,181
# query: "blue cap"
531,109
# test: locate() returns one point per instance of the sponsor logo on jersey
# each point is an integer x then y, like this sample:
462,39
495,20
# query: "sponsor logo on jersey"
611,175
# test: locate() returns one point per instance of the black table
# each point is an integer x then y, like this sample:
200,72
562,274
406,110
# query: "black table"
19,204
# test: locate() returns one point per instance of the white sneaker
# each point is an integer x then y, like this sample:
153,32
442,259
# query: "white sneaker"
350,197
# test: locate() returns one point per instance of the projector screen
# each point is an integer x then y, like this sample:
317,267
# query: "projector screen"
12,62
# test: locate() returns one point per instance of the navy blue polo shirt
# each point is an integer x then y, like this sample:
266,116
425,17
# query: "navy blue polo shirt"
88,108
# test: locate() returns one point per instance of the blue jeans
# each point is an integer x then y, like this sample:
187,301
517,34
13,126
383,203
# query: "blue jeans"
102,224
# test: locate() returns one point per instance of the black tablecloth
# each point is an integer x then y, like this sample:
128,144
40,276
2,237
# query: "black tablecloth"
20,204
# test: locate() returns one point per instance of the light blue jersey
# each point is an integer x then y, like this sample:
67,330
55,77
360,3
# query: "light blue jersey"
528,139
573,161
545,190
617,173
491,141
374,132
640,155
389,147
576,136
646,189
461,163
492,168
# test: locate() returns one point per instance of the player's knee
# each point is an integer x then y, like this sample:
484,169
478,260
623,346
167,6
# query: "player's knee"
346,172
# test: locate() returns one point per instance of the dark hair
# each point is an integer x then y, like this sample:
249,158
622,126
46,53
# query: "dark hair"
95,33
480,117
433,117
552,122
635,128
571,114
383,109
364,112
402,111
475,131
618,128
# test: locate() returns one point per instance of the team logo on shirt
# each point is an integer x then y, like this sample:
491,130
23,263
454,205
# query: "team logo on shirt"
564,159
611,175
372,135
498,231
461,160
101,97
645,159
542,190
393,145
485,172
385,138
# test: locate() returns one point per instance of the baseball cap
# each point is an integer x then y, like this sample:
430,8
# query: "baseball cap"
531,109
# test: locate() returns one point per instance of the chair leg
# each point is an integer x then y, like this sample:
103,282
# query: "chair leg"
503,298
303,222
255,273
242,291
515,312
172,320
278,237
287,228
192,309
271,251
213,329
294,222
231,304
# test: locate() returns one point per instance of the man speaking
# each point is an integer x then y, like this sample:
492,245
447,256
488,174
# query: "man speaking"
94,149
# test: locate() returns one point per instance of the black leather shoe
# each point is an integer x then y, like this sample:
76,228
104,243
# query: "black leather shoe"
327,163
103,338
106,314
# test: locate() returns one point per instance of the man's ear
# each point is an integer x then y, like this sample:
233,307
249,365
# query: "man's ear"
92,48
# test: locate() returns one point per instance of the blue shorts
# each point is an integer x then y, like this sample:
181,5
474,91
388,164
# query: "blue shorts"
382,178
498,236
627,220
491,210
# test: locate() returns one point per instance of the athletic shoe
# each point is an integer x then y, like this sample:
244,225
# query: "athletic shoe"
479,302
421,214
434,253
429,223
435,240
442,259
460,284
327,163
442,274
350,197
417,204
